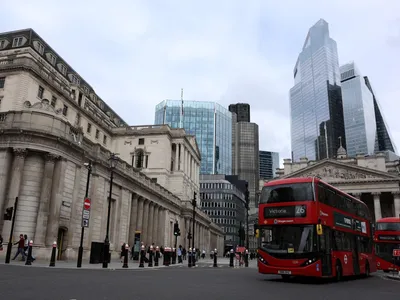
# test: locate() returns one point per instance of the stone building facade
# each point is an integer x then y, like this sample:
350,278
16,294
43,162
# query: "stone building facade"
51,124
373,179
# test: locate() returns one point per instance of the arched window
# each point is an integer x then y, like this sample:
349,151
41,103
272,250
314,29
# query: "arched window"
139,159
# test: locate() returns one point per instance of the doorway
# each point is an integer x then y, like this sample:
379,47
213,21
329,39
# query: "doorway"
62,235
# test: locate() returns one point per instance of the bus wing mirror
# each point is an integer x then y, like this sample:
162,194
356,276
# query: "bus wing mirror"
319,229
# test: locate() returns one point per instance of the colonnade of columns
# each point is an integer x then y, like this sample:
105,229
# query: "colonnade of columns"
185,162
377,203
202,236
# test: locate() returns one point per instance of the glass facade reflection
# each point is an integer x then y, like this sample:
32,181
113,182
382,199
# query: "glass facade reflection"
315,100
358,111
210,123
269,162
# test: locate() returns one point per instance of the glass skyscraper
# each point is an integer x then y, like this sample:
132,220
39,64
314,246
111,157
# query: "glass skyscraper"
210,123
316,109
358,111
269,162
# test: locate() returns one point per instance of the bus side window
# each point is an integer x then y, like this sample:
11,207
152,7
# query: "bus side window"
321,194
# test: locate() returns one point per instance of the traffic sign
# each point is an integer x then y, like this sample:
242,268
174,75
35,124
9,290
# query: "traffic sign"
85,223
396,252
86,204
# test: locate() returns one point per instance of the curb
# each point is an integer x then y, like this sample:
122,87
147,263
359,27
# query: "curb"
393,277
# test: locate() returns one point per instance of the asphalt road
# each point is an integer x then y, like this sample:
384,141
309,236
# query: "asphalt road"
20,282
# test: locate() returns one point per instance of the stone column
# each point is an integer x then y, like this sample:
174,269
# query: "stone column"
13,189
377,206
151,223
55,202
155,225
5,173
161,226
145,225
396,202
181,158
176,162
45,197
133,219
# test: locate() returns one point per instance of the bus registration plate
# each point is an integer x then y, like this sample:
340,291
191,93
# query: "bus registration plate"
284,272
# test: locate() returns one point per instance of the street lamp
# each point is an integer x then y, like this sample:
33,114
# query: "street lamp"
247,214
194,216
113,160
80,251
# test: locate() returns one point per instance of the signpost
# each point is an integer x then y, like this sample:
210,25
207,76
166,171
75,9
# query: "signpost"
86,213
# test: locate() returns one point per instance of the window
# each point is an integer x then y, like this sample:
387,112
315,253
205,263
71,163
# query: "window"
97,134
40,92
141,141
65,110
17,42
2,82
52,58
2,44
79,98
89,128
139,159
1,98
53,101
105,140
154,180
40,48
287,193
63,69
75,79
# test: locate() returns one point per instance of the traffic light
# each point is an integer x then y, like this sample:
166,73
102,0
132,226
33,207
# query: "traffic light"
189,236
257,233
8,214
177,231
194,195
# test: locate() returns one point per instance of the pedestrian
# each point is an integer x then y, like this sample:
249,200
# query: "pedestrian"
122,251
21,247
180,261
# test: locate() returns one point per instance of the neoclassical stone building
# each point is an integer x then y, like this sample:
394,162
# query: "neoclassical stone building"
51,124
373,179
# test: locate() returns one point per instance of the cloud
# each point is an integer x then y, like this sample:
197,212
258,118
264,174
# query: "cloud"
137,53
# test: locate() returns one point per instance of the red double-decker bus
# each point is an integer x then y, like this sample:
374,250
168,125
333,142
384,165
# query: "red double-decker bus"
387,238
310,228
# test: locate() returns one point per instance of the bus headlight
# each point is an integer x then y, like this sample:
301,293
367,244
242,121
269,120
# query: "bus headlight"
261,259
309,262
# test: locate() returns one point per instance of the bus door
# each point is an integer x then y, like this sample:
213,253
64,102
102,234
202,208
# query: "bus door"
325,244
355,256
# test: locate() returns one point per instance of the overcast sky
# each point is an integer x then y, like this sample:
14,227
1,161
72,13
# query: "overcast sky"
137,53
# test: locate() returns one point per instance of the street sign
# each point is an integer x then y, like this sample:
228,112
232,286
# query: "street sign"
86,213
396,252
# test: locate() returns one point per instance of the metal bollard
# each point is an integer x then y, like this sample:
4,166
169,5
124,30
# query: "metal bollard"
189,254
246,259
53,255
194,257
141,259
231,255
29,258
215,259
157,257
125,265
150,264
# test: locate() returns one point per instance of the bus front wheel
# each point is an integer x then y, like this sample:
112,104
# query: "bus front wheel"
338,271
367,270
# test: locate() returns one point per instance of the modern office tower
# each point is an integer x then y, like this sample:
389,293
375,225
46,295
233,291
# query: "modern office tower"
242,111
316,109
210,123
269,162
384,141
358,112
245,163
223,200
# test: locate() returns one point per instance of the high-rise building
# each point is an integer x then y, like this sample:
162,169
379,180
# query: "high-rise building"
384,141
269,162
223,200
316,109
358,112
242,111
245,163
210,123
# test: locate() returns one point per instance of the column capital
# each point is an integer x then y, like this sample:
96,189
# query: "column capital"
357,194
396,194
20,152
375,194
49,157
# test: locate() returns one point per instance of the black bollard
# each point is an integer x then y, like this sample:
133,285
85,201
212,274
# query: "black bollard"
246,259
173,256
157,257
53,255
194,257
215,259
231,255
189,254
150,264
29,258
126,254
141,259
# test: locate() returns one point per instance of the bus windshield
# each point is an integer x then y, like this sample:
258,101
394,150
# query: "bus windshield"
287,193
293,239
388,226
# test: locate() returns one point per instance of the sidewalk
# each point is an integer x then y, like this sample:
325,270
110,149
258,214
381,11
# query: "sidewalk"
393,276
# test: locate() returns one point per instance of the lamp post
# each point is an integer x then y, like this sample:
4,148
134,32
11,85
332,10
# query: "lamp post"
106,250
80,251
194,216
247,214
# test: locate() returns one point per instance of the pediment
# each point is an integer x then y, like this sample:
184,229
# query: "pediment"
330,170
193,143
